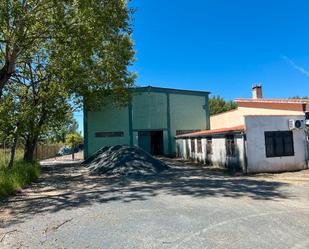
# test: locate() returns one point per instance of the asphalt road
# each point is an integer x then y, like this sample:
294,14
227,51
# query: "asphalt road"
186,207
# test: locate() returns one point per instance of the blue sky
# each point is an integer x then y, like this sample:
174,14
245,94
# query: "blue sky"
223,46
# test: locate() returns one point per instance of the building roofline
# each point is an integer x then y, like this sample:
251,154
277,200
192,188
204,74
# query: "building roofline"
211,132
273,100
172,90
274,115
218,114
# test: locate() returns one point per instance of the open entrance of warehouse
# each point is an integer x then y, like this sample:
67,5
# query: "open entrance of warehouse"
151,141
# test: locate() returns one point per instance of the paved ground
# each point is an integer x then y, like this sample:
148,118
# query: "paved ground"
186,207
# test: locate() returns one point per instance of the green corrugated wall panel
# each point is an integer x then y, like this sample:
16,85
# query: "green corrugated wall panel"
151,110
111,119
187,112
149,102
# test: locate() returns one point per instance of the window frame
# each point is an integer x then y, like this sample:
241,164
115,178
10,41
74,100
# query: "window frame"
209,150
199,145
104,134
192,145
272,146
230,145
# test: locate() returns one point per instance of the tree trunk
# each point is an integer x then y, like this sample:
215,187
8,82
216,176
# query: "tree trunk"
4,78
13,147
9,67
29,149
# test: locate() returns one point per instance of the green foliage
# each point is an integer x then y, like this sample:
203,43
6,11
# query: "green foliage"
73,139
35,101
56,56
218,105
4,156
17,177
57,133
87,45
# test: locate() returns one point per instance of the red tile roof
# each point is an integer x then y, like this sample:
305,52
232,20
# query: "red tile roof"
283,101
208,132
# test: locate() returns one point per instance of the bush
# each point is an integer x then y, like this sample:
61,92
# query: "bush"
17,177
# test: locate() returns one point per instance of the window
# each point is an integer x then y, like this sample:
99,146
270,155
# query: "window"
279,143
199,146
209,146
110,134
230,145
192,145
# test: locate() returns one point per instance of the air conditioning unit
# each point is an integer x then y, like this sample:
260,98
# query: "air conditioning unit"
296,124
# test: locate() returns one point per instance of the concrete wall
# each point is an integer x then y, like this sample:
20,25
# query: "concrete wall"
236,117
155,109
218,156
256,152
226,119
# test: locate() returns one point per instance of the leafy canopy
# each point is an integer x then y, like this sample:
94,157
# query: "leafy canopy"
88,44
218,105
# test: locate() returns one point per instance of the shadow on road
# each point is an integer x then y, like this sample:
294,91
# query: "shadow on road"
69,186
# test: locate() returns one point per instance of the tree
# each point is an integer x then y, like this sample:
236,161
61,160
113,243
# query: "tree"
41,102
56,55
88,43
298,97
73,140
58,133
72,127
218,105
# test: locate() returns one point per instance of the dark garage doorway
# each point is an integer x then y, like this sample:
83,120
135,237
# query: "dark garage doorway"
151,141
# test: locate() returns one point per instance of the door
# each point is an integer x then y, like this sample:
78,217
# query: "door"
144,141
151,141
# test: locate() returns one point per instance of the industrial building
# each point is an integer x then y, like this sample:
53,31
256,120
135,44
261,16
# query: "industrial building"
261,135
151,121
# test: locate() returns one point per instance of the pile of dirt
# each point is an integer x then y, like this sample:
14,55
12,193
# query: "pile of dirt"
123,160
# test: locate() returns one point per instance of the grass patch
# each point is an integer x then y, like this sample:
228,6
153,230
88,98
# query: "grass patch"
5,155
17,177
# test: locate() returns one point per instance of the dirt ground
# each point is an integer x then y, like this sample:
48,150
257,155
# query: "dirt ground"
188,206
79,156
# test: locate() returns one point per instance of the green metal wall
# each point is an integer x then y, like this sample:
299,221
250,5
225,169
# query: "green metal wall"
151,109
110,119
146,103
187,112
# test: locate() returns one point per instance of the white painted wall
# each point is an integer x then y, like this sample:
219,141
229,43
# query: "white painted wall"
218,156
255,145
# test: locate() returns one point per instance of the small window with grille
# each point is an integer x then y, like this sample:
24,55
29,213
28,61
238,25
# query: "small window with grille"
230,145
192,145
279,143
209,146
199,145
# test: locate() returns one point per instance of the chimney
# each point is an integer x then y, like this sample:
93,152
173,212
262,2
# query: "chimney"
257,92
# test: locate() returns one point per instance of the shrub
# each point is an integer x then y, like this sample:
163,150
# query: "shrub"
17,177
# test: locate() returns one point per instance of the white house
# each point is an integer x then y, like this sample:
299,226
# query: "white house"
257,137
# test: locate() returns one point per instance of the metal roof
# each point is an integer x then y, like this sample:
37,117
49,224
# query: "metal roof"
172,90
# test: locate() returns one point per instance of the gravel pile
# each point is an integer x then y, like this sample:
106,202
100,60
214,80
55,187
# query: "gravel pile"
123,160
